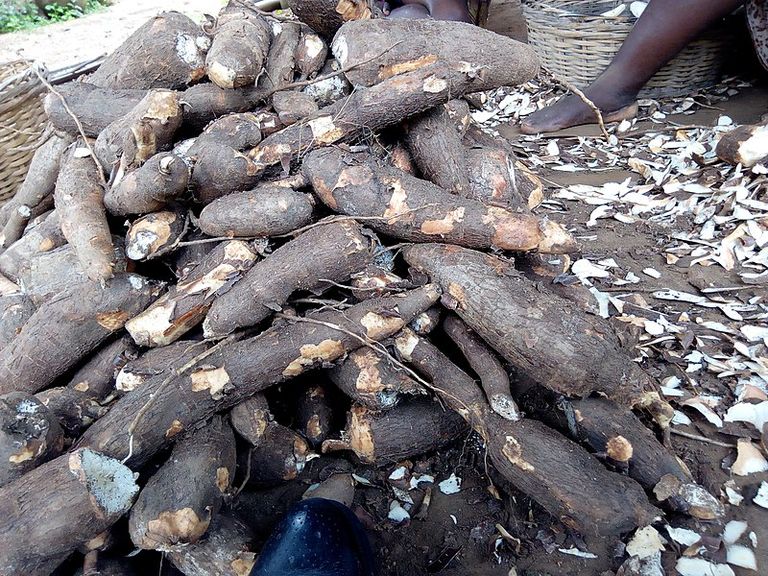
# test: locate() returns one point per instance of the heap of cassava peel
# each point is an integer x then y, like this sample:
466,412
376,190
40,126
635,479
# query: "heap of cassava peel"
221,211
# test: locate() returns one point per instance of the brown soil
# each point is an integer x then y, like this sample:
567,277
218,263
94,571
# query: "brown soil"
75,41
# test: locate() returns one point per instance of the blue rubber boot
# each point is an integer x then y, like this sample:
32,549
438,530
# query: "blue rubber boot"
317,537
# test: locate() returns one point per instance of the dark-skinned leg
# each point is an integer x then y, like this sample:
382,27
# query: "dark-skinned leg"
664,29
444,9
409,11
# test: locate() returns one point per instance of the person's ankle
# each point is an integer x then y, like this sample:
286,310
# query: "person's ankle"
611,93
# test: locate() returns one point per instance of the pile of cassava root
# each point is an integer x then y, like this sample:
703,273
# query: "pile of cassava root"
223,209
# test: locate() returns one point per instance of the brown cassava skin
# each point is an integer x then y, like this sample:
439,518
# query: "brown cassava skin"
310,53
371,380
543,270
67,328
149,188
49,273
314,415
373,109
458,112
26,214
376,281
168,51
39,183
338,251
47,513
73,410
326,16
29,435
239,48
295,181
270,123
277,453
554,471
187,256
616,433
417,210
383,48
540,334
80,208
109,566
384,104
426,322
280,457
203,103
95,107
147,129
177,504
265,211
239,131
251,417
184,306
293,106
401,158
225,551
239,370
412,428
15,310
44,237
493,377
220,170
86,397
156,361
496,177
219,166
279,68
435,146
740,146
155,234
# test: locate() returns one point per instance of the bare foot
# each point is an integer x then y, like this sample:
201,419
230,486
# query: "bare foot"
615,105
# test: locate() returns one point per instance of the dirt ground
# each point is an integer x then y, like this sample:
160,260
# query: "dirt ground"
67,43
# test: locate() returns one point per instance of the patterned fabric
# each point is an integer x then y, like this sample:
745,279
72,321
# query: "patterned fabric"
757,16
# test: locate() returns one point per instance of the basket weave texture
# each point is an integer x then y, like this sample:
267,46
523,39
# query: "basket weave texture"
22,123
576,44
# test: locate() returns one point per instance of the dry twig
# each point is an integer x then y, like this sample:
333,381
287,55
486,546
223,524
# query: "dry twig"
174,373
77,122
377,347
701,438
587,101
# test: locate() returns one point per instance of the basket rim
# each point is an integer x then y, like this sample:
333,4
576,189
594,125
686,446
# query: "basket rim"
549,10
20,78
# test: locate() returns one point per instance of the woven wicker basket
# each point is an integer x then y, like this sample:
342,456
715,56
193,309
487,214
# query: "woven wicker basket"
22,123
576,43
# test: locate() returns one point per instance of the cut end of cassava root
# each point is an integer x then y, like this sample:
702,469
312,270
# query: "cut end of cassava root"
110,483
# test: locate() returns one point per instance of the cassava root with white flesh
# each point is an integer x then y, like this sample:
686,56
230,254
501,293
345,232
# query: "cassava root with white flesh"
233,223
